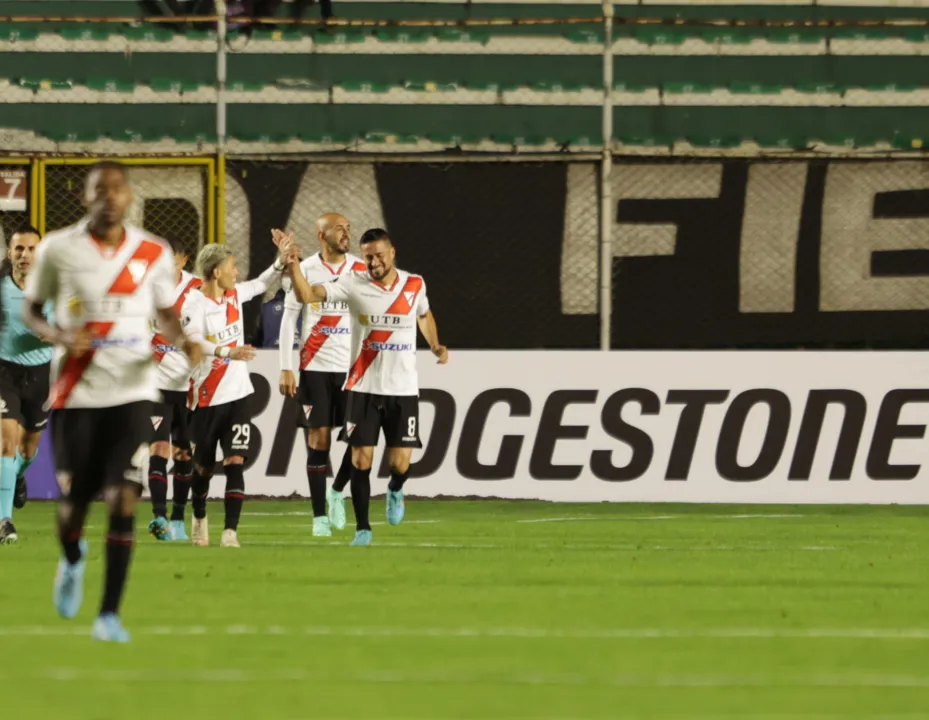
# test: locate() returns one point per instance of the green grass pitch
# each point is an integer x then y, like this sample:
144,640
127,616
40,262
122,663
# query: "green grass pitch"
489,610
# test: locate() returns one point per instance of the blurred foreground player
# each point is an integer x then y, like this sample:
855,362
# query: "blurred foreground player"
386,306
108,281
212,316
325,354
170,417
24,369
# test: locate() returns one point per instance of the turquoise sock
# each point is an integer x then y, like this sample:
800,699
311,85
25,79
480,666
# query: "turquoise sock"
7,486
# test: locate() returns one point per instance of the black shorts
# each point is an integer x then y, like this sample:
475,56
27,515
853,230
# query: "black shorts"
228,425
23,394
321,398
367,414
96,448
171,419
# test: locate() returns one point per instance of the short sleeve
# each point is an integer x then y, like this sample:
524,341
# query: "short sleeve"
192,317
42,282
163,280
422,302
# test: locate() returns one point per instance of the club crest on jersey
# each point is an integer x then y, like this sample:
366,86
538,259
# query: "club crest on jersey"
74,306
156,421
409,297
137,268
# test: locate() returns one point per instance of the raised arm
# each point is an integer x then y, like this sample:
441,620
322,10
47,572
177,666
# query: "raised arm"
430,331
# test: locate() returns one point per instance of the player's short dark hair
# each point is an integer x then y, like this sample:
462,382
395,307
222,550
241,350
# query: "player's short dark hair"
178,246
24,229
373,235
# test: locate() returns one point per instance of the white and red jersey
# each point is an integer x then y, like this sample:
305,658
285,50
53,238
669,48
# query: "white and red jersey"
218,322
173,370
383,330
113,293
325,334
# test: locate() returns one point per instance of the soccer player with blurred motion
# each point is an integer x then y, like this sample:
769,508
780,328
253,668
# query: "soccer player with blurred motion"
386,305
170,417
325,354
212,317
24,369
107,279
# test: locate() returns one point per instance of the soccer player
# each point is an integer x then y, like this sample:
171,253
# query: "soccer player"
24,369
170,416
386,306
325,354
212,317
107,279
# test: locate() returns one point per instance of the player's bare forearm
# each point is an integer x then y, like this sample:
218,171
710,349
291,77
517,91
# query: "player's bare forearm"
170,326
430,331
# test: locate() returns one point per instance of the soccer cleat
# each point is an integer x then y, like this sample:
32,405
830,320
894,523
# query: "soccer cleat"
108,628
8,534
69,584
20,493
321,527
336,508
177,530
200,532
362,538
396,507
230,539
158,529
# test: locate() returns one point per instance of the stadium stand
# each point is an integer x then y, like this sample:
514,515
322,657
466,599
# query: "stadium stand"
539,86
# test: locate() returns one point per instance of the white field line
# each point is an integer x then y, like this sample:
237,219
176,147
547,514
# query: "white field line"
238,675
320,542
305,526
719,633
628,518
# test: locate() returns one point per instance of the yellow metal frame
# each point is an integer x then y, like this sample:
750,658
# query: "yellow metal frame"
33,164
214,196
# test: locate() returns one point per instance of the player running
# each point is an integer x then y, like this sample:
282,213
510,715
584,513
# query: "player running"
386,306
24,369
222,385
325,354
170,416
107,279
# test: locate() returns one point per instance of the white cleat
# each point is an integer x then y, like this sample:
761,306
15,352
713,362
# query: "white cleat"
200,532
230,539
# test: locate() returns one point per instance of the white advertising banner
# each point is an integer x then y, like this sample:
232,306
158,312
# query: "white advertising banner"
709,427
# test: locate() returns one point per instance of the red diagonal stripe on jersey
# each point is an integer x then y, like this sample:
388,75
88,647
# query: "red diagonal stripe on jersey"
316,339
232,306
211,384
159,339
145,255
194,283
366,357
74,367
401,305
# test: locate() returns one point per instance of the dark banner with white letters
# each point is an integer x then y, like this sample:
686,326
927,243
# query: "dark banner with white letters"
706,253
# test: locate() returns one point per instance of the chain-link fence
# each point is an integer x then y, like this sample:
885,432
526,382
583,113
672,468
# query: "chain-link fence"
168,200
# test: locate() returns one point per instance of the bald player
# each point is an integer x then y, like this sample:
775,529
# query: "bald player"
325,353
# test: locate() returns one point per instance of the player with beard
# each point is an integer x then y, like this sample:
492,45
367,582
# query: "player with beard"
170,417
212,317
386,305
325,353
24,369
108,280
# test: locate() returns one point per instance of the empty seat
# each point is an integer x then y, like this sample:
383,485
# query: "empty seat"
44,84
342,37
429,86
149,33
403,35
18,32
173,86
363,86
686,88
456,35
85,32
